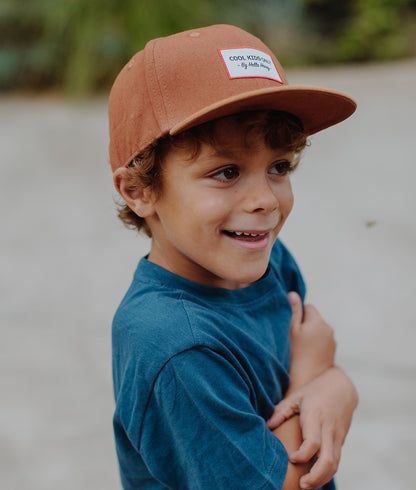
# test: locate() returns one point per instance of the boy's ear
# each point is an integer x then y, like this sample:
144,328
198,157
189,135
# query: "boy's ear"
139,199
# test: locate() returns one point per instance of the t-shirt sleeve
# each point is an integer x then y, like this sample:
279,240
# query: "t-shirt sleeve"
201,431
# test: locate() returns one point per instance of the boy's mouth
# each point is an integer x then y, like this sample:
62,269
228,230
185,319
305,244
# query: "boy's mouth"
245,236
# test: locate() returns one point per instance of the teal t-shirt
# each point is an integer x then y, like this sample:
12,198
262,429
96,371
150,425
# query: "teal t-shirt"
197,372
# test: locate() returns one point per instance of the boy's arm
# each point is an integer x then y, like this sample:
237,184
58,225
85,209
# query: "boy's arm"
321,393
290,435
325,407
202,430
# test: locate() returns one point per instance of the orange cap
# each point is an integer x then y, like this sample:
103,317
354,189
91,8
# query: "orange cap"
192,77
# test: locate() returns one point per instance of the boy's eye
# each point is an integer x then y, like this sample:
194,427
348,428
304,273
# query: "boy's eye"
225,174
281,168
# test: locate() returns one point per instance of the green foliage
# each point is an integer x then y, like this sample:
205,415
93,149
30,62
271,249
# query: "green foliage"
363,30
98,36
80,45
374,31
23,58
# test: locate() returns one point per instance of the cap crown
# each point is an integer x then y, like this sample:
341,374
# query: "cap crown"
195,76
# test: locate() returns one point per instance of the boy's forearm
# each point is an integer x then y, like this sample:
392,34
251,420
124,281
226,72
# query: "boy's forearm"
331,372
325,407
306,377
290,435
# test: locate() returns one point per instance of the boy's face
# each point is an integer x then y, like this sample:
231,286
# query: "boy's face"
220,213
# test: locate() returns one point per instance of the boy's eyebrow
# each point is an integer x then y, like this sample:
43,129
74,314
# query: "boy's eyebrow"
223,153
231,153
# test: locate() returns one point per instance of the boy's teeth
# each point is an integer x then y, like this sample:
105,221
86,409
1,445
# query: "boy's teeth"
239,233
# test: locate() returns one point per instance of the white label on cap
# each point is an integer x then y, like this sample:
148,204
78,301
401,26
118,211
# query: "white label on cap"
249,63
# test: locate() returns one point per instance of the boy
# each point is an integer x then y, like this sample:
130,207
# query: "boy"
204,133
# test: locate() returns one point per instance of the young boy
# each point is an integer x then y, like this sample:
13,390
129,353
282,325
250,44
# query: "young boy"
218,374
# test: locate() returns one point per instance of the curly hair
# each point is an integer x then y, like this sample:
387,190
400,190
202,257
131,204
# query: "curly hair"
278,130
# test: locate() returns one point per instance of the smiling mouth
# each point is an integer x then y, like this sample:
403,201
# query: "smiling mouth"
245,236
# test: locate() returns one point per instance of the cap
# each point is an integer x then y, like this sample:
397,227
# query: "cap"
192,77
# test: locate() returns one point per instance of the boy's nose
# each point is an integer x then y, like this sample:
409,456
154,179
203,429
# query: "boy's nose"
261,197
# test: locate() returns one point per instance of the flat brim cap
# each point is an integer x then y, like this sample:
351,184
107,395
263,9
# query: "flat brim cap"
193,77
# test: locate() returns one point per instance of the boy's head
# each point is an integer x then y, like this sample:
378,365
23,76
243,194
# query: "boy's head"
204,131
275,129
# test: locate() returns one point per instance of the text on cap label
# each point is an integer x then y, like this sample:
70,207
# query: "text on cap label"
249,63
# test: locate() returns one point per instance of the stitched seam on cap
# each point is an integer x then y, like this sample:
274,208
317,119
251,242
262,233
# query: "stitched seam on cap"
159,80
166,101
156,103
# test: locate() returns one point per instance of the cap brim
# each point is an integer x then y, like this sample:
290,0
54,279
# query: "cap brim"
316,107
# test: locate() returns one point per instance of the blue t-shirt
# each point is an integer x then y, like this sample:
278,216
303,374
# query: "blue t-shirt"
197,372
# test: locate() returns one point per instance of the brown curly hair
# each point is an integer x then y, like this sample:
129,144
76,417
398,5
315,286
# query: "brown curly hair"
278,130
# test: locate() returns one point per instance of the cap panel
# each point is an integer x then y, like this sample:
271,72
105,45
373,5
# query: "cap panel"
192,74
155,84
133,125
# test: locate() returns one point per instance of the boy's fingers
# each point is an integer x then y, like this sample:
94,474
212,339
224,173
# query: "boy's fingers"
312,440
283,411
297,309
321,473
326,465
306,452
310,313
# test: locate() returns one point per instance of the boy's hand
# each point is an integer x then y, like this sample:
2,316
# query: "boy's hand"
325,406
321,394
312,343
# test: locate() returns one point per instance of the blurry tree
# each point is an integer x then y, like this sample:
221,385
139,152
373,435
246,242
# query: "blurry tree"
24,58
80,45
94,38
362,30
374,30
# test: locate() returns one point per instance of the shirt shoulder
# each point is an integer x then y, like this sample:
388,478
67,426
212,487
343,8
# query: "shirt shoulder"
283,264
150,326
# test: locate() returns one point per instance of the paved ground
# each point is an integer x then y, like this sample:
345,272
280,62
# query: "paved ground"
66,261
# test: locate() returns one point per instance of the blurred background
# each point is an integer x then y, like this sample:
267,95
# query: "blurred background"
66,260
79,46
